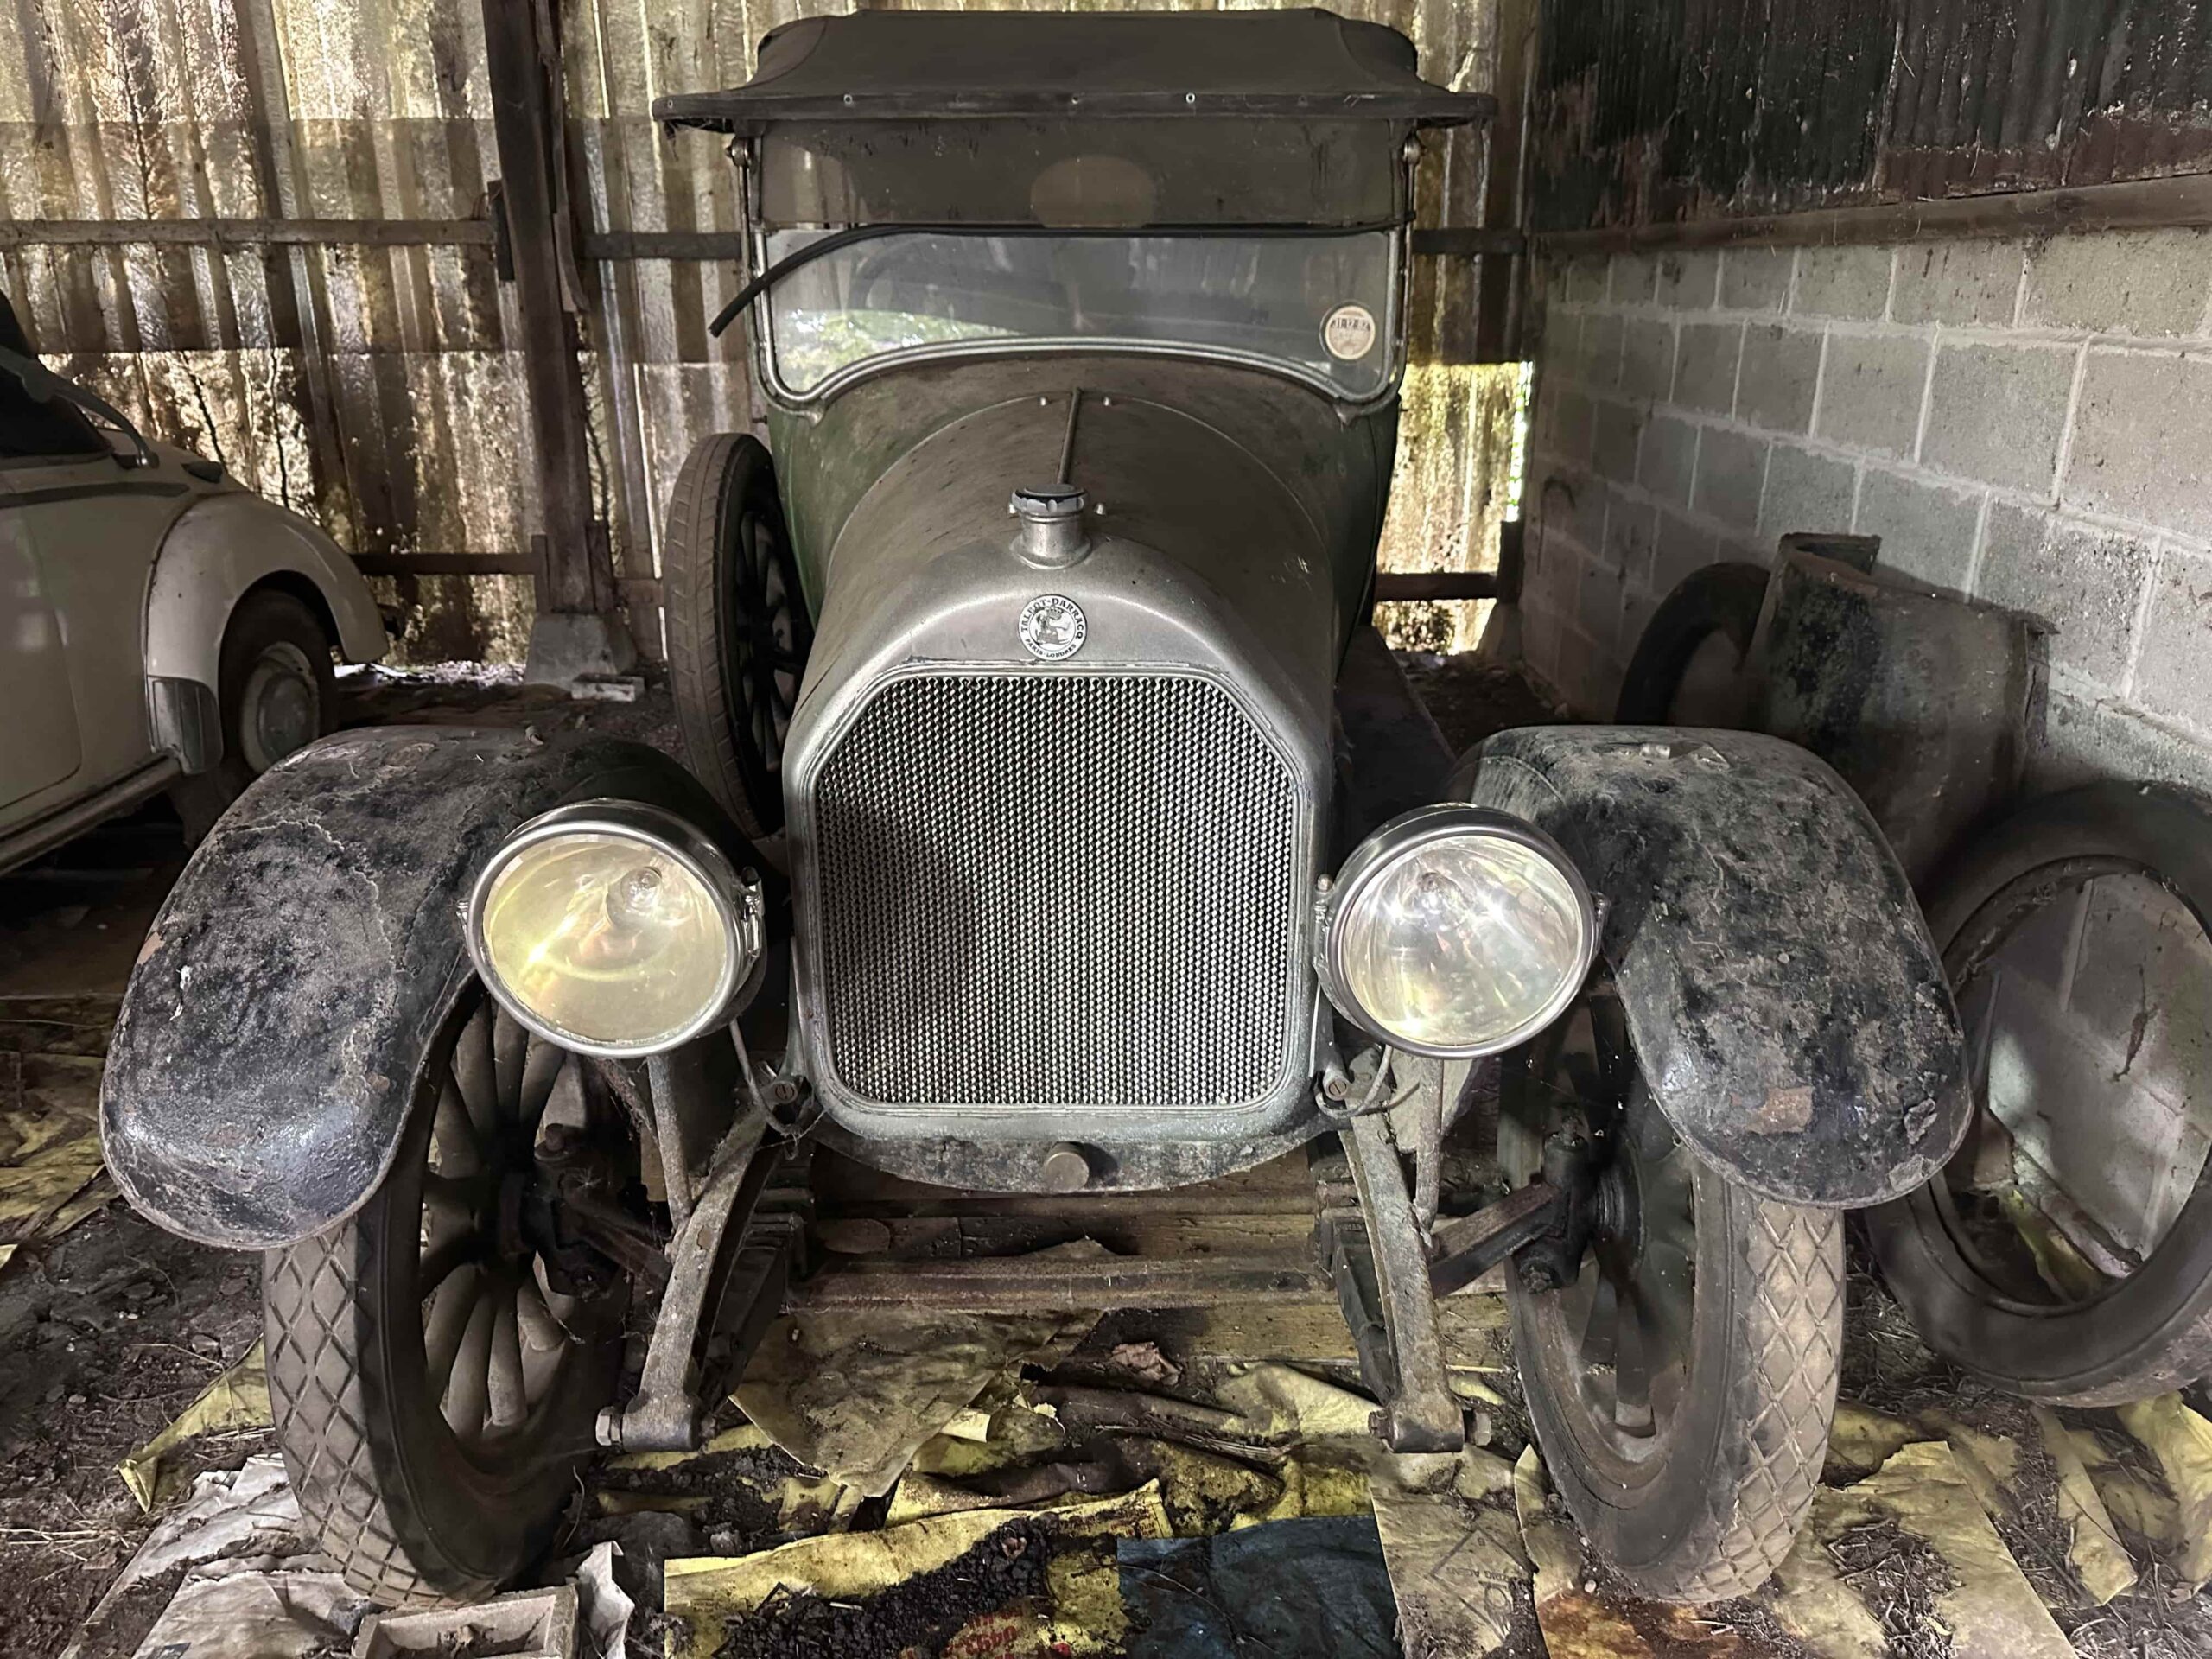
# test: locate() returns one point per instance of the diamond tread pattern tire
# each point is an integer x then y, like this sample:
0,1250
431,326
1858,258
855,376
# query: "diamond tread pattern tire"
1726,1510
410,1522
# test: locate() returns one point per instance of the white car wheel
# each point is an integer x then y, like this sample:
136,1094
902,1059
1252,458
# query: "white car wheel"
280,708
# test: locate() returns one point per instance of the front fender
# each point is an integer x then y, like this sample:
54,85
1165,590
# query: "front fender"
263,1063
218,548
1788,1008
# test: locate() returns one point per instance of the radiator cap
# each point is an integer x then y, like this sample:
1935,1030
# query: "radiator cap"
1049,530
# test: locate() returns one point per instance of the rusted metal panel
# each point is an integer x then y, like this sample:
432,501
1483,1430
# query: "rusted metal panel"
1683,111
372,377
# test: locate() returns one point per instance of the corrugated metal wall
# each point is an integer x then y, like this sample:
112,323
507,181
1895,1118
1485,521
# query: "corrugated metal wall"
1655,110
371,386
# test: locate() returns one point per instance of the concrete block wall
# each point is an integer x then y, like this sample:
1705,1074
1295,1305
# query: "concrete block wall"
2027,423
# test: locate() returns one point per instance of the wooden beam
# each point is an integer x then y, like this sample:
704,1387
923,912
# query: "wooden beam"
519,53
245,232
1392,585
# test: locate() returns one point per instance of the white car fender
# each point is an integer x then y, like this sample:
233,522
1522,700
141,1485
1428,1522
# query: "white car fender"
219,547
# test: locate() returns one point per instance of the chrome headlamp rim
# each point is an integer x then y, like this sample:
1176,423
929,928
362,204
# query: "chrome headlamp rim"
737,901
1408,833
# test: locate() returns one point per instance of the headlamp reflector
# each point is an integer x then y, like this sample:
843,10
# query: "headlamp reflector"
1456,931
613,928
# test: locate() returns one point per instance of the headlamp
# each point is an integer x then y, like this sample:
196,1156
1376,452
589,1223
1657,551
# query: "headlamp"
615,928
1456,931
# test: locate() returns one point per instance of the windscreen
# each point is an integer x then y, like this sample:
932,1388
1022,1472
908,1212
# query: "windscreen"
1322,306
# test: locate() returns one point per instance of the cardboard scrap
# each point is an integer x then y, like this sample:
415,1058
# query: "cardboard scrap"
1992,1464
2138,1504
1316,1486
856,1394
2181,1441
1084,1616
1451,1541
250,1585
1812,1603
236,1399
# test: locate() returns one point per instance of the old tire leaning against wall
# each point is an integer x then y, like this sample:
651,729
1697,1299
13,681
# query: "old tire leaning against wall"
1682,1383
2060,1255
738,628
1687,666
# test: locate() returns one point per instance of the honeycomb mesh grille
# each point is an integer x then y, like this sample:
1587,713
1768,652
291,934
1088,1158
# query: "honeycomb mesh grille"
1057,891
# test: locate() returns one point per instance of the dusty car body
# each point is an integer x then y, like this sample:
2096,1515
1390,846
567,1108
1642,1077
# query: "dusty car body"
1025,848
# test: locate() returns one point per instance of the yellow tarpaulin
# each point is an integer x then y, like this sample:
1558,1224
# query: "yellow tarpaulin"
236,1399
2182,1442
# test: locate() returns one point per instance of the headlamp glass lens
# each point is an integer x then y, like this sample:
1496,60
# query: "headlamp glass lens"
1458,943
607,939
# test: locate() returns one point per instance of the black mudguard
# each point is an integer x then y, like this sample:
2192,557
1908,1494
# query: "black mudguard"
262,1065
1788,1008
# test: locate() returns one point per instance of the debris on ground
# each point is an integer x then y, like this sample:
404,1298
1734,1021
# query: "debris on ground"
51,1052
854,1394
540,1624
236,1399
2095,1549
740,1489
2181,1441
226,1573
1915,1532
1452,1540
1051,1587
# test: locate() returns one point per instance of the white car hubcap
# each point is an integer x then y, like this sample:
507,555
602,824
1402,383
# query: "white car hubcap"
281,709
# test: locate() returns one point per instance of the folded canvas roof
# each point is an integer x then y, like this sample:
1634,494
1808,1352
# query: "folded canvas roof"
882,65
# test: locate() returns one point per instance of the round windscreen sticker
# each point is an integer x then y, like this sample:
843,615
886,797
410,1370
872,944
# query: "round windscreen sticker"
1349,333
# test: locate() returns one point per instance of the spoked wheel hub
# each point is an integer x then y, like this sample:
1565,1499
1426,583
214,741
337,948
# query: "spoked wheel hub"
768,649
506,1289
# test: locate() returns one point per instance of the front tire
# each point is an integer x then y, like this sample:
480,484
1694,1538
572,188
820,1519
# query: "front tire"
738,628
1681,1384
278,692
433,1396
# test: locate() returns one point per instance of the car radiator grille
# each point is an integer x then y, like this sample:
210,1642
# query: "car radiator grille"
1072,890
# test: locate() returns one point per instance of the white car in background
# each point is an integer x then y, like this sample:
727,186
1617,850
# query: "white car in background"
160,627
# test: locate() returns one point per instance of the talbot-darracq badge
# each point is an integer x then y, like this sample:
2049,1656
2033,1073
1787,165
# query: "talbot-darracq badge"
1052,627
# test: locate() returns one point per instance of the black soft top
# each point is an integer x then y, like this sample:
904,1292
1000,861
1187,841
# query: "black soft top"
887,66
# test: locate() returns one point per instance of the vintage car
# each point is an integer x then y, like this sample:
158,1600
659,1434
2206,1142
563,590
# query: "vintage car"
1043,833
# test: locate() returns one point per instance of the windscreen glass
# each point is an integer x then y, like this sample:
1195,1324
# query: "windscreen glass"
1322,306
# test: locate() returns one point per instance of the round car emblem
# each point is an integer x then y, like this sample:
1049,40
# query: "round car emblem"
1052,627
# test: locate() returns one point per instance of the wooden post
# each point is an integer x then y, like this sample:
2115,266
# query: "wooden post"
575,577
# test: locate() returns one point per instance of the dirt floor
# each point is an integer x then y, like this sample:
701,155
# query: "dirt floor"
110,1328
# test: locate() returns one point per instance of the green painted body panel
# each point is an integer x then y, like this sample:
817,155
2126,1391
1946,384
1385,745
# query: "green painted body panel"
1329,473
